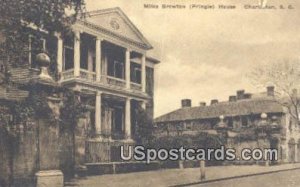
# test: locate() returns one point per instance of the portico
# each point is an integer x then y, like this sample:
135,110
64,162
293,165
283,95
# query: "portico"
106,61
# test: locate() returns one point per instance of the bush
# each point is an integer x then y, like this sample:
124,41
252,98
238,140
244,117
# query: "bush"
200,140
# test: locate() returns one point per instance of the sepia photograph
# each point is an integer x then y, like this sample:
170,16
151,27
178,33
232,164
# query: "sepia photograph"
168,93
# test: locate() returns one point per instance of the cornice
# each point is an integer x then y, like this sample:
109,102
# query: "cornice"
112,34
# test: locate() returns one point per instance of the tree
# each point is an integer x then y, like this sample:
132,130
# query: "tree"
18,19
144,127
285,77
16,16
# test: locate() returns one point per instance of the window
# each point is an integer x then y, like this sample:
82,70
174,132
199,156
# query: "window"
119,69
94,64
36,45
149,80
244,122
116,69
68,54
135,73
84,53
189,125
2,68
230,122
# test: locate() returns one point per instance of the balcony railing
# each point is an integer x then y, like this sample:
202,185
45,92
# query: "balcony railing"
136,86
68,74
115,81
85,74
104,79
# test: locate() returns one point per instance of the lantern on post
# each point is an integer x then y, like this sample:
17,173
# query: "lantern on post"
222,128
262,126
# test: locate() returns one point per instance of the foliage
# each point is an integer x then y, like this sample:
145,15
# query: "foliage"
18,20
200,140
37,18
246,134
71,110
285,76
143,127
16,16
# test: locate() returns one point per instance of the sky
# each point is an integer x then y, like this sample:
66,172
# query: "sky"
206,54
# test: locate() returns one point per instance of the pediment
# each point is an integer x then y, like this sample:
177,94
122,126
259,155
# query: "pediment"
115,21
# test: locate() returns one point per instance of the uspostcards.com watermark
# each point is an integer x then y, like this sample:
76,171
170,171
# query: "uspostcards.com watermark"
140,153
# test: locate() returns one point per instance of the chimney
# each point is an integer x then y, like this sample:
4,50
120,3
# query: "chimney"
271,91
214,101
240,94
247,96
202,104
186,103
232,98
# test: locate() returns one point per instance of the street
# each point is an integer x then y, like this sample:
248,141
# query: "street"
286,175
280,179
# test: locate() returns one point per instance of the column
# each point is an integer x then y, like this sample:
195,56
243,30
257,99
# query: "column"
143,105
77,54
128,118
90,64
60,54
127,68
98,59
98,113
143,76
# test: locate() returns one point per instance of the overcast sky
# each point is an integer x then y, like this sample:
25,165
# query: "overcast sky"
205,54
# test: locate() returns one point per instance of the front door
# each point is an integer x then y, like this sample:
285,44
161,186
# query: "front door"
118,123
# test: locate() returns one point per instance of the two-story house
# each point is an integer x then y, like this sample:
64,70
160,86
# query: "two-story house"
242,115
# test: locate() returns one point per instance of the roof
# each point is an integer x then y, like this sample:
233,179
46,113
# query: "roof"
23,75
12,94
93,18
237,108
19,76
153,60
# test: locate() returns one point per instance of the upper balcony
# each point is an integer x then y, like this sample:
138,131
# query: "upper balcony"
107,80
100,62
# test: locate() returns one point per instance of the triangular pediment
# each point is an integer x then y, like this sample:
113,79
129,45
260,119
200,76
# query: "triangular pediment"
115,21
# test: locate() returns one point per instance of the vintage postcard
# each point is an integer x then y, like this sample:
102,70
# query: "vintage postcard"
149,93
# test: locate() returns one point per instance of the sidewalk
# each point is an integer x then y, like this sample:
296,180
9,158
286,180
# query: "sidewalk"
174,177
